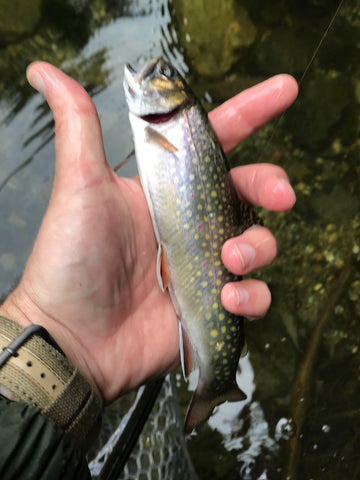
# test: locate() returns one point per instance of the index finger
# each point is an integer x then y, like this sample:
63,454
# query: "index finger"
243,114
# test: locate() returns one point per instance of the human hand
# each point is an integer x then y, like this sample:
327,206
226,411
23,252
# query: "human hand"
91,277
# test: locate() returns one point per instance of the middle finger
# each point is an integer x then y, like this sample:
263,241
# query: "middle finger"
255,248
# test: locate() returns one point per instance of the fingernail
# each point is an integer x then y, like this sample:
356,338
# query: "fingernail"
238,296
284,185
36,81
245,253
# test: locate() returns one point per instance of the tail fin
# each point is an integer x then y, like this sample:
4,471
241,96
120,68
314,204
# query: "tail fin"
203,403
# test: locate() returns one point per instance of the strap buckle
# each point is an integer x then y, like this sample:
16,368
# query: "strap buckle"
22,338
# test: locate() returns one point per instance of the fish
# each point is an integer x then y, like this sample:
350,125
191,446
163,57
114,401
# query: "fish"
194,209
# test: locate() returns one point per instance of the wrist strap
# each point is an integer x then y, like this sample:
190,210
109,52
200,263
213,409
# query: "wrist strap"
36,372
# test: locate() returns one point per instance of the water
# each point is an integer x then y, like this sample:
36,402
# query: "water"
224,47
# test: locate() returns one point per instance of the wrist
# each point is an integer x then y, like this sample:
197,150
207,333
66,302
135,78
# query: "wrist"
19,308
34,371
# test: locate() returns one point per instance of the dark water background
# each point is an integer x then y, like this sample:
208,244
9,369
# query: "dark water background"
302,374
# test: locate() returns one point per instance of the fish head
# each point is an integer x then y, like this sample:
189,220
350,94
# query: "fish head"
156,90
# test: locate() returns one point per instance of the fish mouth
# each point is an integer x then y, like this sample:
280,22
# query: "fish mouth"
131,82
133,91
160,117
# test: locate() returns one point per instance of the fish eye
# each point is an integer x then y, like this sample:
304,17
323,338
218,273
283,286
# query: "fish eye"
166,71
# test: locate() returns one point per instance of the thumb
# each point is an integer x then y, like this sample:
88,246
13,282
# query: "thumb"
79,146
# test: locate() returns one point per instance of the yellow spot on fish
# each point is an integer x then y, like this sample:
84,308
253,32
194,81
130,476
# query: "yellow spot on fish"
219,346
207,159
213,194
220,218
214,333
186,226
215,305
223,329
199,207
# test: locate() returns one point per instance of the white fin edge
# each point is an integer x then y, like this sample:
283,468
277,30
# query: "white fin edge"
158,268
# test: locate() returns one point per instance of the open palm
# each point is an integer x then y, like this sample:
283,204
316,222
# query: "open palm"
91,278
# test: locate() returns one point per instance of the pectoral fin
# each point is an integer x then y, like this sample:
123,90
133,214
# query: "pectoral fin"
152,136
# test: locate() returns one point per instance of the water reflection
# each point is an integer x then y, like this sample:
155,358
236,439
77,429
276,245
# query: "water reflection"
96,60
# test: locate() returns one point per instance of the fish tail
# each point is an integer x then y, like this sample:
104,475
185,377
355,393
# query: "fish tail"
203,403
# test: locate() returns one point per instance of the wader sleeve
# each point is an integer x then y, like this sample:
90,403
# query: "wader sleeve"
32,447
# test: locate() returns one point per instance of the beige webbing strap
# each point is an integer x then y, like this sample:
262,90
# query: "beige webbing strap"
38,374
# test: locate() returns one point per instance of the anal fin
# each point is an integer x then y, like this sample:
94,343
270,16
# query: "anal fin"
185,353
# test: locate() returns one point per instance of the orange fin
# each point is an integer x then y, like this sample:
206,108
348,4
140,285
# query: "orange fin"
162,269
152,136
203,403
185,353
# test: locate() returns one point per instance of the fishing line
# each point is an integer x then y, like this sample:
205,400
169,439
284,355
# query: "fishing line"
321,42
311,61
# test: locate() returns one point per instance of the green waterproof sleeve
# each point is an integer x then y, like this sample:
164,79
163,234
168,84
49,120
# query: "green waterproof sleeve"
32,447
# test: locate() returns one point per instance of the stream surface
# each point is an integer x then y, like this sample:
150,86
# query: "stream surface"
223,48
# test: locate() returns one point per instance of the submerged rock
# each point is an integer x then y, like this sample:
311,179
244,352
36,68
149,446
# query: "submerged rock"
319,110
284,50
17,19
213,34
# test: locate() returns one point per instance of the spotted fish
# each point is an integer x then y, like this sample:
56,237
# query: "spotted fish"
194,209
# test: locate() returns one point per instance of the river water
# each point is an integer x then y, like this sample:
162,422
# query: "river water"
301,375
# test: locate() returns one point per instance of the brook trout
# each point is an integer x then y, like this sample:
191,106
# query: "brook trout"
194,209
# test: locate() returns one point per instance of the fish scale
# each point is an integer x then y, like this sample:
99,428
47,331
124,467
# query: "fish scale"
195,209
